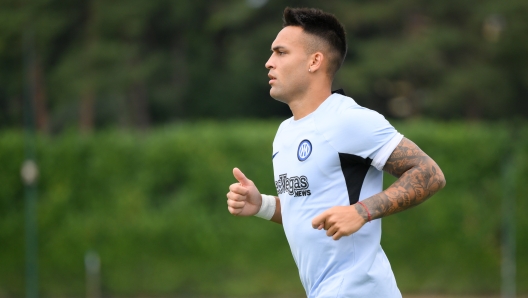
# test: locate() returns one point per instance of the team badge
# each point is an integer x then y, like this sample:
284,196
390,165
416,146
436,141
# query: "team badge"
304,151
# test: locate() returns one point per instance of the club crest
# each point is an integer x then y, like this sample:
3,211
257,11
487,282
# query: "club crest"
304,151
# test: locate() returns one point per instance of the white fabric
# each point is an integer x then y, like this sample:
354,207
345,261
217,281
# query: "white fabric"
385,152
267,209
324,160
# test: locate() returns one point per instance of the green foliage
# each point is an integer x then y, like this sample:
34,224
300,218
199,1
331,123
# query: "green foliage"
153,207
205,59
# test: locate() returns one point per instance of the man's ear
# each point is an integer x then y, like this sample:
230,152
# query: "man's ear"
316,61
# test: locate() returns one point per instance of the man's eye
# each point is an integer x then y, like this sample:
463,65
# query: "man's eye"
281,53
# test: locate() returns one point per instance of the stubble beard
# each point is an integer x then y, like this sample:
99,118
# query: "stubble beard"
277,96
287,96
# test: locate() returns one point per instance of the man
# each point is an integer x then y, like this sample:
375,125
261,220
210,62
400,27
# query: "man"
328,161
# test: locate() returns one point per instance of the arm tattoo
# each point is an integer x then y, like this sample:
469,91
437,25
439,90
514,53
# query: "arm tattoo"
419,177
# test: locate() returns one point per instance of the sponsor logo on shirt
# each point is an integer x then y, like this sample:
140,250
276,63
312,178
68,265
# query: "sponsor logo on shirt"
296,186
304,151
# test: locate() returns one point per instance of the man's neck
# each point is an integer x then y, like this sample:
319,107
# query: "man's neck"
307,103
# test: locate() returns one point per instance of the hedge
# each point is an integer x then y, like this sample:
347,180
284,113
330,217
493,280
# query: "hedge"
153,206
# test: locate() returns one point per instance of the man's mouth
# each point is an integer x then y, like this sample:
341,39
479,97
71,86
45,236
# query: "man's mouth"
272,78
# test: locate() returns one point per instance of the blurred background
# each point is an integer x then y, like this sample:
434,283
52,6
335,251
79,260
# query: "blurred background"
120,123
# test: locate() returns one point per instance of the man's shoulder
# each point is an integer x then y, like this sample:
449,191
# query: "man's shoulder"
343,112
337,103
351,128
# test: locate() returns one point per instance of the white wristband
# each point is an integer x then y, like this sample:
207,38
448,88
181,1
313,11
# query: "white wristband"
267,209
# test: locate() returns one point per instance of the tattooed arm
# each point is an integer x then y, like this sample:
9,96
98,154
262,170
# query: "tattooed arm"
419,177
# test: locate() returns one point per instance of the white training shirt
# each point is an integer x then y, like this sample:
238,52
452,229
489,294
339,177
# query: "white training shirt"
334,157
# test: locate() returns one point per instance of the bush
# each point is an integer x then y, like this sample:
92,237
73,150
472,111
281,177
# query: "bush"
154,207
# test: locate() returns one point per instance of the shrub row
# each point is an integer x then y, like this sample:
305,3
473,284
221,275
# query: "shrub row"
153,207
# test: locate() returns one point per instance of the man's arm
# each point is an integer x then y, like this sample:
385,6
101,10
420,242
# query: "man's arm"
419,177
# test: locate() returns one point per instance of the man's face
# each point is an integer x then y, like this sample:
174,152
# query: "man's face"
288,65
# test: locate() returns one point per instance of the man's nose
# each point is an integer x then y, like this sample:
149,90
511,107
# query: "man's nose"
269,64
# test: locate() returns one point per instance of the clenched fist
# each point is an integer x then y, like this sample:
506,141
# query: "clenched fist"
339,221
243,198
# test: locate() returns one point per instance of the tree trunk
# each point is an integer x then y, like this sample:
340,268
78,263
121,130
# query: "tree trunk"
39,99
180,77
139,106
87,98
87,115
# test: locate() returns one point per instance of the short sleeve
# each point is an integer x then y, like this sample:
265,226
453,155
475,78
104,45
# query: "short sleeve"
385,152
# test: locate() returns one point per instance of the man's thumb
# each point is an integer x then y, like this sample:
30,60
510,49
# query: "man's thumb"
240,177
319,221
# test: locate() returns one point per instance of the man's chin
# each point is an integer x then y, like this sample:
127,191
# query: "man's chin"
276,95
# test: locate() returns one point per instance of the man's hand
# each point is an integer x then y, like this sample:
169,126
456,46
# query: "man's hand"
339,221
243,198
419,177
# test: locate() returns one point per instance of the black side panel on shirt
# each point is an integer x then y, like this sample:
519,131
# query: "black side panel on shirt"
354,169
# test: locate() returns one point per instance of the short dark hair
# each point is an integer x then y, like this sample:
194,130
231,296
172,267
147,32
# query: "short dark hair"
322,25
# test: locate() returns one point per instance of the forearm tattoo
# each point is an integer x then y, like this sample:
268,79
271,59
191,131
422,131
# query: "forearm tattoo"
419,177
